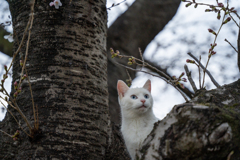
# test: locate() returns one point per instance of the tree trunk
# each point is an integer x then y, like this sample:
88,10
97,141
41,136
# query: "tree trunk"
207,128
5,45
67,67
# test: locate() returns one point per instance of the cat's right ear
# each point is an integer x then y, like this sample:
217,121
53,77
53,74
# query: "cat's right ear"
122,88
147,85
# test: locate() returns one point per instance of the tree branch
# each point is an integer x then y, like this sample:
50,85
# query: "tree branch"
238,42
5,45
205,128
190,78
209,74
185,90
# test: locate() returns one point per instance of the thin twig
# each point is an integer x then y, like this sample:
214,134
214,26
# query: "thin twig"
185,90
238,45
209,74
167,81
30,88
229,155
114,5
29,35
20,46
6,133
141,55
151,67
204,71
199,73
237,15
231,45
13,116
233,20
37,123
129,76
190,78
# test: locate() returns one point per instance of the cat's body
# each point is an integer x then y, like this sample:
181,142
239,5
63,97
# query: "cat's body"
137,114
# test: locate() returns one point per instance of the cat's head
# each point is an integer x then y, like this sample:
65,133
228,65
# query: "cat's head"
135,100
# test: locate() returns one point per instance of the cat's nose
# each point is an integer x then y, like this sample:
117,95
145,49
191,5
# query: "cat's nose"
143,100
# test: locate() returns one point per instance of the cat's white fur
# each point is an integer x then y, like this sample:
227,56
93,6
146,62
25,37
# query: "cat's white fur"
137,115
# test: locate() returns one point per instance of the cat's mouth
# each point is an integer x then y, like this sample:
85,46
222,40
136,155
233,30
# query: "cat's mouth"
142,106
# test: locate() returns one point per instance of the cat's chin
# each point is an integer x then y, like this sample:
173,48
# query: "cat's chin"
142,108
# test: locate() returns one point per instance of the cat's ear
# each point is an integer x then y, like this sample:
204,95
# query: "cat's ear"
147,85
122,88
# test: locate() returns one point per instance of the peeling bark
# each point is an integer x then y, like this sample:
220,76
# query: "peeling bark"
205,128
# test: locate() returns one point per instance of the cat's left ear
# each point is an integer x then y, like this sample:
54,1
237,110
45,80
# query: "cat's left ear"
122,88
147,85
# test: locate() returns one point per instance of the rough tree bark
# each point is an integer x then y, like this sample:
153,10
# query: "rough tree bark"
67,67
207,128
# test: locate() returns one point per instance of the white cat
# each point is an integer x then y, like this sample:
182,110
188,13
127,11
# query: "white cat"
137,114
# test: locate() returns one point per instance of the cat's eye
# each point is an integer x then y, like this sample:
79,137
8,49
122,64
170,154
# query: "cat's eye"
133,96
146,96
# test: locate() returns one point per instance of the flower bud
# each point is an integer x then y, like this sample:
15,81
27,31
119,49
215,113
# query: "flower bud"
181,85
188,4
5,76
213,52
219,15
227,20
231,9
211,31
15,94
190,61
111,51
15,85
220,5
129,63
25,76
117,52
19,90
5,67
21,63
184,79
181,75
